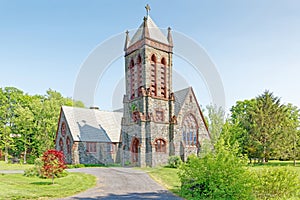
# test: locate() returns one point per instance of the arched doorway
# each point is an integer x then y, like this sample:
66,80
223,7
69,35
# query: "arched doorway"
135,150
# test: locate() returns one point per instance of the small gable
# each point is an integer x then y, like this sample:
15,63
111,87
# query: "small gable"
186,103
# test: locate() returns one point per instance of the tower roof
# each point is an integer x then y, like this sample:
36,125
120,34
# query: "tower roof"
149,29
149,34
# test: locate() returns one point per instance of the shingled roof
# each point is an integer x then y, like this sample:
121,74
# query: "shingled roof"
180,96
93,125
154,32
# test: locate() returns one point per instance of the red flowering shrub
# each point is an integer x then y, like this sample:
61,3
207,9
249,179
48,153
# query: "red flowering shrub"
54,163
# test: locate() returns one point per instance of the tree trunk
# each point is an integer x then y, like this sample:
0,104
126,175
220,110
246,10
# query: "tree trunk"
6,154
265,152
52,179
294,151
25,154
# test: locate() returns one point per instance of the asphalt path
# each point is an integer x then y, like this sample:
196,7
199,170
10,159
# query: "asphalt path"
121,183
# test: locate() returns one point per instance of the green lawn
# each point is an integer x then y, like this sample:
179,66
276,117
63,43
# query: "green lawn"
166,177
4,166
17,186
280,163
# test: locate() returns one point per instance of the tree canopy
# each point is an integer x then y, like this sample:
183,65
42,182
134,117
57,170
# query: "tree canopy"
264,127
28,123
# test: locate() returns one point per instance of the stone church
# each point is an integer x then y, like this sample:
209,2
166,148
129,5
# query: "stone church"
156,122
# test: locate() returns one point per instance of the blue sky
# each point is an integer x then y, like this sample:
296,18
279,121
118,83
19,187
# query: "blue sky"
254,44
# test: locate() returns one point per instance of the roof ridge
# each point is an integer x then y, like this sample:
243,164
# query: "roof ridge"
72,107
183,89
153,32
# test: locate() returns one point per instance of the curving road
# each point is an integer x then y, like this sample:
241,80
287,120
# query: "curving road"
121,183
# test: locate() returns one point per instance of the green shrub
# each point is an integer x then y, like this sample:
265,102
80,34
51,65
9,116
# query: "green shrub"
75,166
36,170
94,165
174,161
62,174
31,172
219,175
276,183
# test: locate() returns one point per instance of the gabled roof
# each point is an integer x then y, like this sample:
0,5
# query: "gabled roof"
93,125
154,32
180,96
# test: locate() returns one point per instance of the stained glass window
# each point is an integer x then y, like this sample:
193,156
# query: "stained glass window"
189,130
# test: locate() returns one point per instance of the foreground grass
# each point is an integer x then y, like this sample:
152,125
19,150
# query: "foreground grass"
4,166
17,186
166,177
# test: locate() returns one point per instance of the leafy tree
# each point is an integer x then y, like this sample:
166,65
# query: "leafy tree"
265,128
24,121
267,117
215,121
53,164
10,97
233,134
28,123
287,144
216,175
240,125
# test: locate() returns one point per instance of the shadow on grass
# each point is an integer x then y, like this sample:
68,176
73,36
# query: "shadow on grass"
275,164
41,183
135,196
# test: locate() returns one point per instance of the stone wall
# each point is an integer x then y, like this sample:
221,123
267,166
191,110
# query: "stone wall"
63,138
190,106
76,151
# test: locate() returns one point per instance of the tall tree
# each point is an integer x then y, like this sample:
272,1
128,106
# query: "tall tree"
28,123
9,100
240,125
286,144
215,121
267,117
24,122
270,127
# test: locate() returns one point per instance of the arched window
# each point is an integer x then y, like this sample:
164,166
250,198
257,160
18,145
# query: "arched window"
61,145
163,88
132,79
163,61
160,145
153,75
68,143
139,71
135,150
63,129
190,130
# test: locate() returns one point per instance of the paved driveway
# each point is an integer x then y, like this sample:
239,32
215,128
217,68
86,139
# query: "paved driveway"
122,183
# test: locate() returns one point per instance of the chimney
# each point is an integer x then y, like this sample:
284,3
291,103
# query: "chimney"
94,107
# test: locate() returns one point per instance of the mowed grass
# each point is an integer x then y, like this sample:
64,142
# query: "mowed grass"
17,186
280,163
167,177
4,166
277,163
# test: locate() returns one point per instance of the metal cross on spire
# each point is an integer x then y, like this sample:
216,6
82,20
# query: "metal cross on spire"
147,9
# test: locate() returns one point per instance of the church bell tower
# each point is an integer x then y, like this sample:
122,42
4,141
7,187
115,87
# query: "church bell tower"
149,100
